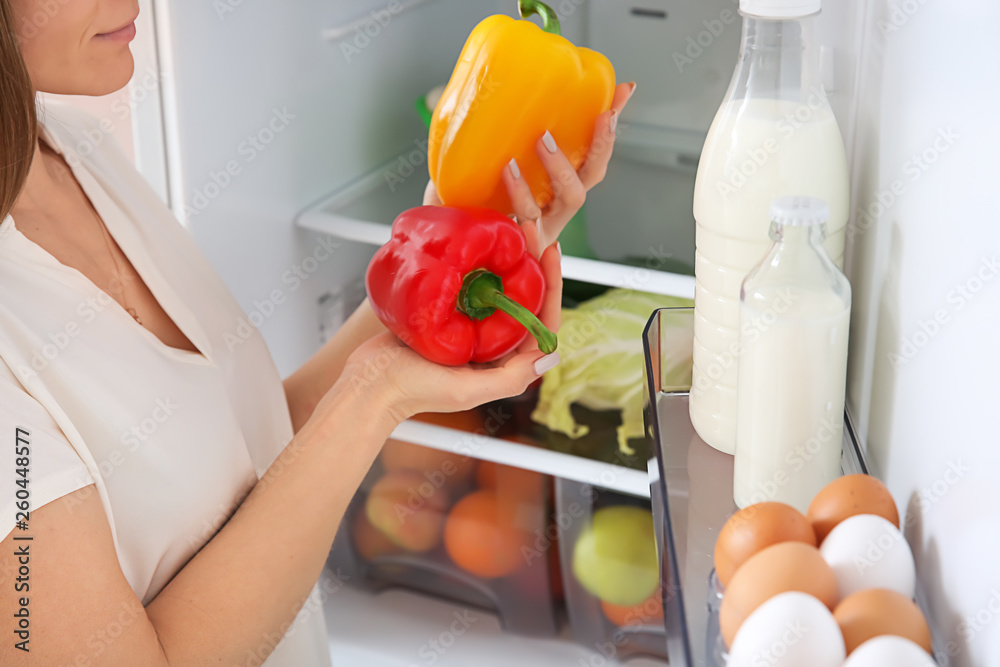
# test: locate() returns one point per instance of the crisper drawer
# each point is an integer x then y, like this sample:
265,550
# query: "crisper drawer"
526,545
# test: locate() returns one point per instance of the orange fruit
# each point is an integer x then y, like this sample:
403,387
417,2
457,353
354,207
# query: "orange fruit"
483,537
510,481
486,475
369,541
648,612
408,509
442,469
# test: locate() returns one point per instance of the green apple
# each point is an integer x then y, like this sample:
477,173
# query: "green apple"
615,557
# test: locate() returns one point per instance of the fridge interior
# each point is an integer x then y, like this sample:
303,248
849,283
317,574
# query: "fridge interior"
286,141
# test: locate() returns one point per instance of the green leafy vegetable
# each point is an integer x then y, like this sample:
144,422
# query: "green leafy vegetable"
600,343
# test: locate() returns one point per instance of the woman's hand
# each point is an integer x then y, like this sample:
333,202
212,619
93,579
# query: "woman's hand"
402,383
569,186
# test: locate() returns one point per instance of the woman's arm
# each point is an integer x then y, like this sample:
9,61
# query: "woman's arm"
237,596
305,387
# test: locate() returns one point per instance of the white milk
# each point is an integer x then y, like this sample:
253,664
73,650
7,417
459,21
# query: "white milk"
756,151
792,378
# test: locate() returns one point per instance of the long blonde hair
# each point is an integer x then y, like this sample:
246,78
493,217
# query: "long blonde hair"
18,123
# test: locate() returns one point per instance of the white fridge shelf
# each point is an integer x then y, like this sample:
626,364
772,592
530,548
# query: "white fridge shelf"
363,210
577,468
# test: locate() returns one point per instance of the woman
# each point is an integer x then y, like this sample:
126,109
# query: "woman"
197,494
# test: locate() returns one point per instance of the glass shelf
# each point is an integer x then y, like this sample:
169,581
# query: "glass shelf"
503,432
363,210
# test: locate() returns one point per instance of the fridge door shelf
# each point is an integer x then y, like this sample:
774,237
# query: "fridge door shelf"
362,211
692,498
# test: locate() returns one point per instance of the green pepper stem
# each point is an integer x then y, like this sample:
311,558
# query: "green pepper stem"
482,295
550,22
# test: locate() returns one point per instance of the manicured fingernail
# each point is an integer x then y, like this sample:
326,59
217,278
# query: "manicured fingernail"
631,90
515,171
613,121
547,363
558,248
549,141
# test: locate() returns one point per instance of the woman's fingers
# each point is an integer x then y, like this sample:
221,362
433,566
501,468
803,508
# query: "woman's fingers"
551,312
431,197
595,167
531,238
480,386
520,195
568,192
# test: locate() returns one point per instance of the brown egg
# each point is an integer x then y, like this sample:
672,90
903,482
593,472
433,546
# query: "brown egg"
754,528
878,611
849,495
787,566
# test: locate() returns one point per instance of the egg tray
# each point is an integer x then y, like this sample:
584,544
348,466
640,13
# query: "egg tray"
691,487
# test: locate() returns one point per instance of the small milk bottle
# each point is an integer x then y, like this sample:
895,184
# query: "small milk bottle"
773,136
795,308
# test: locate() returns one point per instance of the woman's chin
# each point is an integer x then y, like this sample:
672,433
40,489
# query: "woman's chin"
104,80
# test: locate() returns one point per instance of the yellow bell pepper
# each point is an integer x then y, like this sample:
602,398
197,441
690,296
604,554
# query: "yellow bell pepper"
513,81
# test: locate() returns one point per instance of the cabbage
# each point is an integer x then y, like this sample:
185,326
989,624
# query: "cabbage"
602,367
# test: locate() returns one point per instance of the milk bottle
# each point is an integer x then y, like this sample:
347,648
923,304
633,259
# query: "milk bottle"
795,309
773,136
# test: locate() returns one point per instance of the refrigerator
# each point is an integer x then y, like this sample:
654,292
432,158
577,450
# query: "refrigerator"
284,138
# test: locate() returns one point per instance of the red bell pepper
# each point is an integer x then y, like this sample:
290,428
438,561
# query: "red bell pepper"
440,280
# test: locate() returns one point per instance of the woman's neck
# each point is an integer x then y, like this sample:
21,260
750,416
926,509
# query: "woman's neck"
47,176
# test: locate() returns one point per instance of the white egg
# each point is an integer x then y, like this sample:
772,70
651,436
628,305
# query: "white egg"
888,650
789,630
866,551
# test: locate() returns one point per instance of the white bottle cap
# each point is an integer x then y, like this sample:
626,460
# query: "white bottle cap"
799,211
779,9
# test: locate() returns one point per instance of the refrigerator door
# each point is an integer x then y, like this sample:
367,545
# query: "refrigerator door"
923,354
